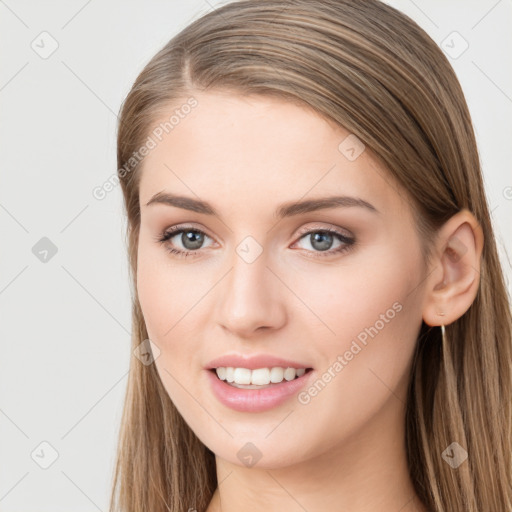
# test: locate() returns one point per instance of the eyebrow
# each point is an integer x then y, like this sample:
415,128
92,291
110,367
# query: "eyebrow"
285,210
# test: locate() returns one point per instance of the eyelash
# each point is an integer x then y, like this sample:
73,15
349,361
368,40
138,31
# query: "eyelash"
176,230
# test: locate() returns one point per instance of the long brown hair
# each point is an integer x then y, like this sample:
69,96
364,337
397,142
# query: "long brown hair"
375,72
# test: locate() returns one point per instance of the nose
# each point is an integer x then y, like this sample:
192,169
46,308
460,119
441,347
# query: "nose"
251,298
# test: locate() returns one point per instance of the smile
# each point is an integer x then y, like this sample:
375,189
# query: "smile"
246,378
258,390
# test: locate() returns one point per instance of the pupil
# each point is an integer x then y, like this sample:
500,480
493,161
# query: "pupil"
321,241
191,239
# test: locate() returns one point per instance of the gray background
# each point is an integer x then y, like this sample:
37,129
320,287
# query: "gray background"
65,321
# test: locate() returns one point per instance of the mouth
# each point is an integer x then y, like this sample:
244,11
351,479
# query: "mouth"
260,378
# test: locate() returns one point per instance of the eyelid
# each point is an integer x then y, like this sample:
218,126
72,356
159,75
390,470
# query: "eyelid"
302,231
322,227
172,230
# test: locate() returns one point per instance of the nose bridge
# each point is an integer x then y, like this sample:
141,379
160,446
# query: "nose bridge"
250,297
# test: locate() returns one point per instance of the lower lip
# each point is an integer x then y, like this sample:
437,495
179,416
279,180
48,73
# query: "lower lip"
255,400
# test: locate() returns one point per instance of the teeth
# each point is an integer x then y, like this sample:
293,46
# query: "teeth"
242,376
258,377
276,375
261,377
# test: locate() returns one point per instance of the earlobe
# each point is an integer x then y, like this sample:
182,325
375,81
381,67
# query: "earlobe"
454,281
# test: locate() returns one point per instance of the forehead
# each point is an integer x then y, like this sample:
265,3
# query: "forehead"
254,150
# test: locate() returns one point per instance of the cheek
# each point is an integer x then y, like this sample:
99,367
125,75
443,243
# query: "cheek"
174,314
370,316
155,297
355,296
164,302
365,365
163,291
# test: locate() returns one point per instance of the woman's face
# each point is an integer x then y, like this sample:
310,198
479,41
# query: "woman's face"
333,289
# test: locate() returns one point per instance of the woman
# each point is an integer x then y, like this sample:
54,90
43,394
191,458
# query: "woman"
320,320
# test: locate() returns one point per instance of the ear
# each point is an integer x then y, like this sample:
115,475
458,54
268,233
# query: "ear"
453,282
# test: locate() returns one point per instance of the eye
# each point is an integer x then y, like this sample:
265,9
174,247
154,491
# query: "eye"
321,241
191,239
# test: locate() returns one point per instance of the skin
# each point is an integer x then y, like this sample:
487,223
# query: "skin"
344,450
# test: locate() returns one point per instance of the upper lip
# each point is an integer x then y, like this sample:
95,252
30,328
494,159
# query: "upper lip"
253,362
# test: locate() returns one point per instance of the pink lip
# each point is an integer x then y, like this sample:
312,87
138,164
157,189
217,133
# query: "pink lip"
253,362
256,400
